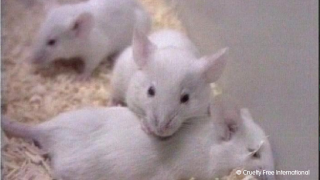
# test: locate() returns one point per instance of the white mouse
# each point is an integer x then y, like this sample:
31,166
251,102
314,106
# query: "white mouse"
125,65
108,143
248,148
165,84
91,30
244,145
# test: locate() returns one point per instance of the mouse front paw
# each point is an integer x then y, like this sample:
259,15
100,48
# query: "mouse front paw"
116,103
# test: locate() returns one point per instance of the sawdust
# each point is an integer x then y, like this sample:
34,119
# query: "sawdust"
32,96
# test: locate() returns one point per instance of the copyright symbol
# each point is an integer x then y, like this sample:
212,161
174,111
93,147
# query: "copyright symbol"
238,172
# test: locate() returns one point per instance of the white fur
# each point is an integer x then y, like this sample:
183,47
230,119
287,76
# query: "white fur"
169,62
108,143
241,138
172,38
239,151
125,66
107,30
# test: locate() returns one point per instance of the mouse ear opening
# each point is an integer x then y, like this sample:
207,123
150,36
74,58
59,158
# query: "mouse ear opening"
142,48
82,25
213,66
229,117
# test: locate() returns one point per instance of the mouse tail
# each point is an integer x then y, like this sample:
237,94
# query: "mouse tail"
17,129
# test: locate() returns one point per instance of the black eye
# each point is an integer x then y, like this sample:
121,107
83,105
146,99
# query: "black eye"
184,98
51,42
151,91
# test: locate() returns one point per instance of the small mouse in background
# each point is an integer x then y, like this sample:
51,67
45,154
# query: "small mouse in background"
105,143
163,80
91,30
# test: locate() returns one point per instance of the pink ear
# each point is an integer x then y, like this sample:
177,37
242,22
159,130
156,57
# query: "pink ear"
213,66
230,117
142,48
229,109
82,25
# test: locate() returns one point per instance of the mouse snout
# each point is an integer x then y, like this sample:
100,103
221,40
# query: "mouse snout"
164,125
38,57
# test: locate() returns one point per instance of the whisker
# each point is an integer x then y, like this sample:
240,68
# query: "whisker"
267,136
139,111
259,147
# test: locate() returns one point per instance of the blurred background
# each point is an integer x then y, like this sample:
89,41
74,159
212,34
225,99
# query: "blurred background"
273,67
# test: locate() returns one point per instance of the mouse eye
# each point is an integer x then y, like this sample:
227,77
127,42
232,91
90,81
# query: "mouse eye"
51,42
184,98
151,91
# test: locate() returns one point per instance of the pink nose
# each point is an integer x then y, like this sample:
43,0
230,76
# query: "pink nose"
37,60
163,129
38,57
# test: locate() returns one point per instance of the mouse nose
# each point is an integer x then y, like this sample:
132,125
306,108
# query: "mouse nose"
161,129
156,120
165,124
37,57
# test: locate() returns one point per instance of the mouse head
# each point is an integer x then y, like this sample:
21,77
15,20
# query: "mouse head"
257,151
171,85
62,34
248,148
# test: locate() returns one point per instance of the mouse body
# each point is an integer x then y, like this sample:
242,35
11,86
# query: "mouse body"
108,143
162,80
91,30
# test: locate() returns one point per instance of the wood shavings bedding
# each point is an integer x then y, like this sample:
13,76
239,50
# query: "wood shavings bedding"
32,96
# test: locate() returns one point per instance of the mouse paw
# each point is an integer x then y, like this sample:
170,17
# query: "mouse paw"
115,103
